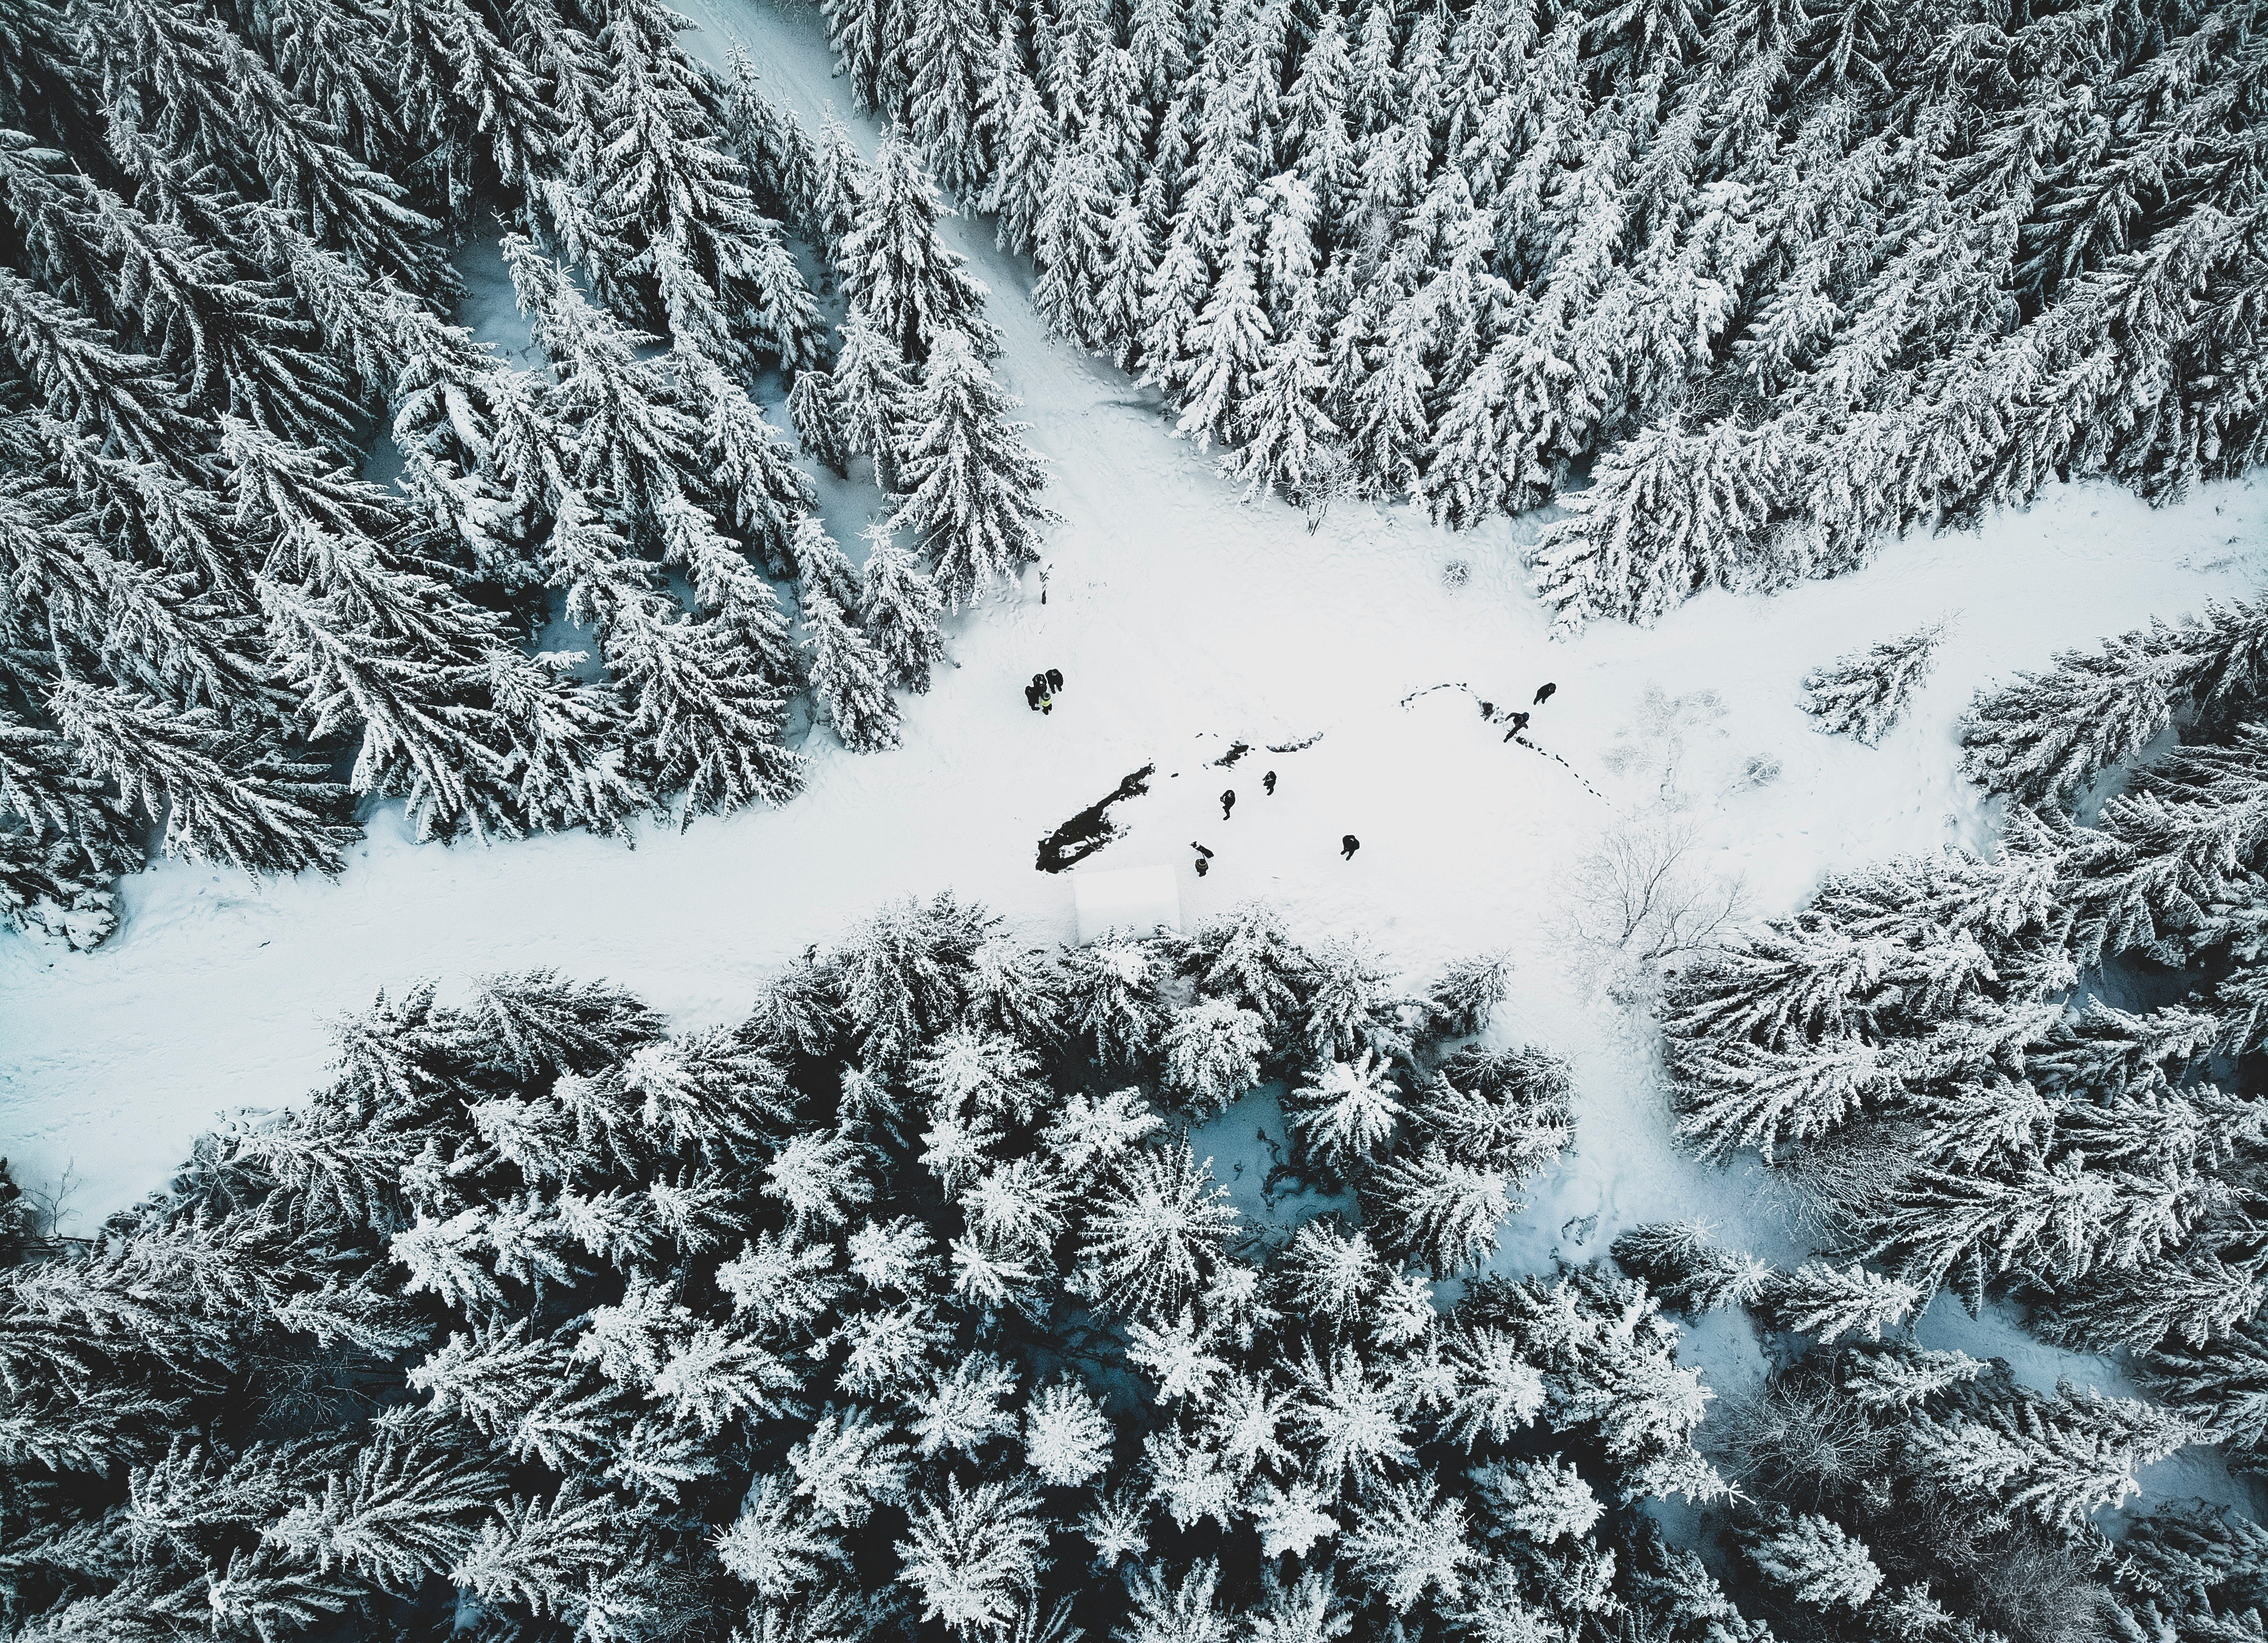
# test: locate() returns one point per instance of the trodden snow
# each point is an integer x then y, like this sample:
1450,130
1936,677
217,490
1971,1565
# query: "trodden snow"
1183,622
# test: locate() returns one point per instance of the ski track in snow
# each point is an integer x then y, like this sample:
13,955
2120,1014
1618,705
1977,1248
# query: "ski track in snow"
1182,620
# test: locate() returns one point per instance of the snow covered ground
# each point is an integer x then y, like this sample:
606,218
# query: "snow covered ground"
1182,622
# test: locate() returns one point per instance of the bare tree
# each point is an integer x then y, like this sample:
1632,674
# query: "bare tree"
1643,893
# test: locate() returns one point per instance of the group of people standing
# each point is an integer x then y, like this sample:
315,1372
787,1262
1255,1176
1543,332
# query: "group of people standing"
1348,844
1518,721
1040,695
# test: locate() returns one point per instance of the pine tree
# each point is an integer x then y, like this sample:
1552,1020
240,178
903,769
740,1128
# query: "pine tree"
1387,421
1225,346
1814,1561
1346,1115
2056,1459
1285,431
816,410
702,718
1545,1499
1668,514
973,1554
1159,1225
820,565
630,435
748,463
1440,1213
220,796
972,485
1864,695
1408,1541
541,1553
1817,1299
873,397
849,678
88,383
2046,735
1681,1266
897,269
1072,239
1031,145
1212,1053
1129,263
405,1510
898,609
838,180
2222,1384
1248,959
1469,992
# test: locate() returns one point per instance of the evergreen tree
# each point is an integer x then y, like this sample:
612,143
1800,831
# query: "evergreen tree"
816,410
1287,435
873,397
898,608
2046,735
220,796
897,269
1864,695
1213,1052
703,717
749,466
848,678
971,484
1814,1560
1346,1115
1072,246
1129,261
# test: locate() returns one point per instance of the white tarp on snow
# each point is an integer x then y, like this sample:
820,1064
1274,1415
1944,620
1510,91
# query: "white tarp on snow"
1133,898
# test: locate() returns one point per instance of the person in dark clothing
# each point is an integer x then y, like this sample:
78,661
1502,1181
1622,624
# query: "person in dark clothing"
1348,846
1227,802
1055,681
1545,694
1204,867
1032,697
1199,848
1267,783
1519,724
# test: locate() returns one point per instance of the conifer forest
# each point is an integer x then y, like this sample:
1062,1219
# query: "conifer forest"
1696,569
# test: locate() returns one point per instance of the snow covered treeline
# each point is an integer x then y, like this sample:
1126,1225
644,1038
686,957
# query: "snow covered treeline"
1889,1491
2044,736
1872,1470
1782,280
905,1307
1923,1050
225,254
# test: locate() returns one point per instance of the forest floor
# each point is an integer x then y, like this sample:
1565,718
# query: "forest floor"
1183,622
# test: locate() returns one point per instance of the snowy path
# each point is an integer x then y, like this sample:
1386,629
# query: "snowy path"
1182,620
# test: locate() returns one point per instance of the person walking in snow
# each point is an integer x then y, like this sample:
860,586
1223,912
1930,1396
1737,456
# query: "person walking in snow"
1267,784
1546,694
1055,681
1519,724
1204,867
1032,697
1348,845
1227,802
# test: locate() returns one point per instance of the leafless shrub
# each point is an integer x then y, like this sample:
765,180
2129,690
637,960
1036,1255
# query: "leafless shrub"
1837,1185
1798,1438
1654,744
2037,1590
1645,894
